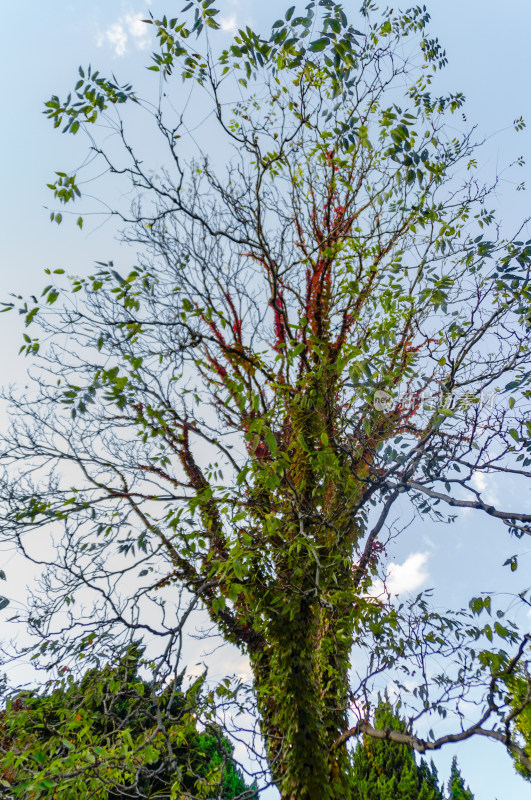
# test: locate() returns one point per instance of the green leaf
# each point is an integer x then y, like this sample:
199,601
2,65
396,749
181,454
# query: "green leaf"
511,562
30,316
318,44
501,630
271,442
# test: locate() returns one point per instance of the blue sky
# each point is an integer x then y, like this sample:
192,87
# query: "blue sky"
42,45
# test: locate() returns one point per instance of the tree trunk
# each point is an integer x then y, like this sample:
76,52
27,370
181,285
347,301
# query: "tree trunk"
301,686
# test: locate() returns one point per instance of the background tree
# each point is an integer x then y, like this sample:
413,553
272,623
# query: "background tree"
388,771
111,736
456,785
303,347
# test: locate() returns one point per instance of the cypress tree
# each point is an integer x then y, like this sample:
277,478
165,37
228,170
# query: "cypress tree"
456,785
387,770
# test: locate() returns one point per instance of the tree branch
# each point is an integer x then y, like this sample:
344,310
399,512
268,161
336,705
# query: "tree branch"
422,745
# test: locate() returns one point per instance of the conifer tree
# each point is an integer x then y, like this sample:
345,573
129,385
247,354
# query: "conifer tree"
385,770
456,784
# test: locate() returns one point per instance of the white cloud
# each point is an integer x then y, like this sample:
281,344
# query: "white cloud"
486,486
116,36
404,577
229,24
479,481
220,659
125,31
407,576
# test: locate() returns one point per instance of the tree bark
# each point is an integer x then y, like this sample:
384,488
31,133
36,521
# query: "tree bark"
301,688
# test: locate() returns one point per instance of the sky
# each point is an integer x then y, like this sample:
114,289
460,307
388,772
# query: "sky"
42,44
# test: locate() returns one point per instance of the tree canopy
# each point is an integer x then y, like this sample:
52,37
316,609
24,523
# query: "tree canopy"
110,736
303,349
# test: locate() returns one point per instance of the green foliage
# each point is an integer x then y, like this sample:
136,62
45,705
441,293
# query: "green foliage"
385,770
110,736
518,684
92,95
456,785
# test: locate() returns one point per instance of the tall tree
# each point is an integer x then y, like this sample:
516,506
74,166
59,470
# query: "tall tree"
306,343
388,771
